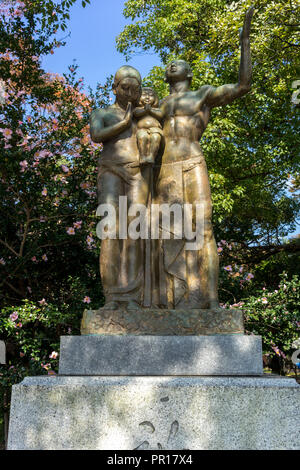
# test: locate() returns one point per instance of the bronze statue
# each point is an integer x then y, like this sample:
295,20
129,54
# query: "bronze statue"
149,134
121,261
189,279
177,285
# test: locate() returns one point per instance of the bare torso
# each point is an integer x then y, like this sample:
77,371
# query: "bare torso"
186,118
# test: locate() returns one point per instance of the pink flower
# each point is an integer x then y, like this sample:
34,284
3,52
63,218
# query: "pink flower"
70,231
24,165
34,259
53,355
22,354
276,350
249,276
2,261
44,192
219,250
42,154
14,316
264,300
65,168
19,325
42,302
87,300
51,372
228,268
77,224
7,133
44,257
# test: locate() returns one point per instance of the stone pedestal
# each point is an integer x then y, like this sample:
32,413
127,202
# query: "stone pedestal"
156,392
172,413
161,355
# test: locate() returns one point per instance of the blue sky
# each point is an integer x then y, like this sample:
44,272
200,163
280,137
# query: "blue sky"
92,43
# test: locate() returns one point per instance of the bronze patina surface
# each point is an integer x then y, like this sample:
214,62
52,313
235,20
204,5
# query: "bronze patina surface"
162,322
152,154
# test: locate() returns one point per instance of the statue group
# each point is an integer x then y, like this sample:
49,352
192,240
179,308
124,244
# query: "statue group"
152,155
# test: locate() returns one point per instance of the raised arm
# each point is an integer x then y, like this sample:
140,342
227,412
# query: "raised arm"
100,132
227,93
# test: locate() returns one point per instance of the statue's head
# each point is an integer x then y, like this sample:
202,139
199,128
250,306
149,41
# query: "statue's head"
178,71
149,96
127,85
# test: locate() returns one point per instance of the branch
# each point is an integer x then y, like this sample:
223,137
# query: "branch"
25,232
9,247
259,253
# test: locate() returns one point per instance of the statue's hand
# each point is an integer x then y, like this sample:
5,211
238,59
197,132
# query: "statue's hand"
128,114
147,107
245,33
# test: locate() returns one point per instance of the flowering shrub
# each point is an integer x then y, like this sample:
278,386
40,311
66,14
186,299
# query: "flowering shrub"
32,333
235,275
275,315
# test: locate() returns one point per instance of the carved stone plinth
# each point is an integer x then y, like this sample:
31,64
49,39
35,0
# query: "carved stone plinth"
149,321
172,413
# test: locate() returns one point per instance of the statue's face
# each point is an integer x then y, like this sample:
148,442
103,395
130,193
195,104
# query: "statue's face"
148,97
177,71
128,90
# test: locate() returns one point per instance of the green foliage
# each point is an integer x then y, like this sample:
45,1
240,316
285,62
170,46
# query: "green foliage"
31,334
275,315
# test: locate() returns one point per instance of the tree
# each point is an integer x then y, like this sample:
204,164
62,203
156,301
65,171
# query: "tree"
47,169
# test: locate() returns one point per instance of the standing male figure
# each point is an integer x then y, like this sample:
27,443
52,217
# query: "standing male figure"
121,260
189,279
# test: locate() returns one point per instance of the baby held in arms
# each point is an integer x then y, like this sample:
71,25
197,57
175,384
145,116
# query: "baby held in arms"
149,129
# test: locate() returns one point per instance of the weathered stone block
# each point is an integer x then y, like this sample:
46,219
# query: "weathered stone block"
161,355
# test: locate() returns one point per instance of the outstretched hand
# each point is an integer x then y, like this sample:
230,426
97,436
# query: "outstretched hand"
245,33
